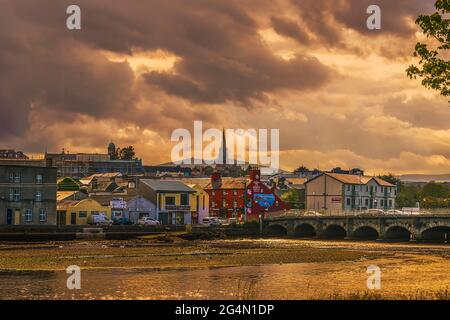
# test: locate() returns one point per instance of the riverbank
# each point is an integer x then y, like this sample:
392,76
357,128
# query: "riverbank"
169,267
163,253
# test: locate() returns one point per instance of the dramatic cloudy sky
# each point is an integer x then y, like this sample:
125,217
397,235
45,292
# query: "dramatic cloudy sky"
139,69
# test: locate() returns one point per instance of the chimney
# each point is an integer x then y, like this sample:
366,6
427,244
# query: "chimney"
255,174
216,179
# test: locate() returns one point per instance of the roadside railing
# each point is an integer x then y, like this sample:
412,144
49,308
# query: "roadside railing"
369,212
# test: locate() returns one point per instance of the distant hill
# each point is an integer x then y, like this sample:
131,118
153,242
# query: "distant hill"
425,177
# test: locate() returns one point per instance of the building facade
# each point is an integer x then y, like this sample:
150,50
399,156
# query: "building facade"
77,212
27,195
171,199
336,192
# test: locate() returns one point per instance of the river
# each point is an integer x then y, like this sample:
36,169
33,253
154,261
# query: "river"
407,271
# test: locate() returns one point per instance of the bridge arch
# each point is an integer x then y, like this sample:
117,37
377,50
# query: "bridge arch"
305,230
366,233
398,232
437,233
277,230
334,231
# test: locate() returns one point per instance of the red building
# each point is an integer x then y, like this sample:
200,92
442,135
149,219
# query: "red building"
233,197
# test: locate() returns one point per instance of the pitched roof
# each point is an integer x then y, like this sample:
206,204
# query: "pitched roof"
167,185
349,178
354,179
383,183
61,195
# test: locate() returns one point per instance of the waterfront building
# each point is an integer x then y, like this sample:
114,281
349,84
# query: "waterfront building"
77,212
27,195
335,192
171,199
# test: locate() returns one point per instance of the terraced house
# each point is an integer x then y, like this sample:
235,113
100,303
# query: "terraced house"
336,192
27,195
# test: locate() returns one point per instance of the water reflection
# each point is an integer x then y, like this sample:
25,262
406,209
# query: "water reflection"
407,269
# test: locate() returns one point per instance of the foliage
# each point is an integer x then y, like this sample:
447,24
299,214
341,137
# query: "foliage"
431,195
127,153
292,197
408,196
434,69
301,169
391,179
435,190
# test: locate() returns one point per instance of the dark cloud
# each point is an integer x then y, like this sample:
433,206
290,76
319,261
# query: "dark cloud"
290,28
420,112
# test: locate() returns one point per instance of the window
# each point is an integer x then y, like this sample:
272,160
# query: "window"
11,177
224,193
390,203
348,201
39,178
42,215
382,202
17,178
170,201
367,203
348,187
38,196
11,194
16,195
367,188
28,215
235,192
184,201
82,214
203,202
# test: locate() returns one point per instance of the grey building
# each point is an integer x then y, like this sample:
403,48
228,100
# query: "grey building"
27,195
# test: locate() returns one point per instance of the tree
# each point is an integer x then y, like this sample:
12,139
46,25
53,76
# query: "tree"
434,69
435,190
127,153
408,196
391,179
292,197
301,169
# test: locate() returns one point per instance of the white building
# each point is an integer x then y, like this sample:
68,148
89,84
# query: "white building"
335,192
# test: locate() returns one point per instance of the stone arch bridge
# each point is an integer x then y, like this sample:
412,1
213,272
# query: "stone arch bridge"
429,227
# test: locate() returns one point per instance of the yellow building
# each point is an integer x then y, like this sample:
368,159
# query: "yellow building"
77,212
199,202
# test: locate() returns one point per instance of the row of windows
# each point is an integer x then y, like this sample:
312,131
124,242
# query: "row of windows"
184,200
16,178
224,192
365,202
28,215
372,188
14,195
224,204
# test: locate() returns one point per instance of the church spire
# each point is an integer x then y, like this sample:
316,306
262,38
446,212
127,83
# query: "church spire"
224,147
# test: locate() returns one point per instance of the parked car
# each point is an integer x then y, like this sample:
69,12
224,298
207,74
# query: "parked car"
372,212
148,221
211,221
123,221
395,212
312,214
99,219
